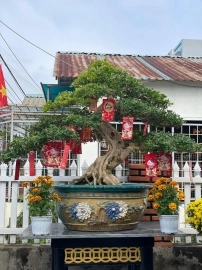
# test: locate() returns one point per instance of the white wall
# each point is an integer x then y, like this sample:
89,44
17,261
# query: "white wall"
89,153
187,100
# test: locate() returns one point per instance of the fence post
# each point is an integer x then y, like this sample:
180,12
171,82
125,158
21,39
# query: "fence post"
61,172
73,168
176,170
26,168
39,168
50,171
197,170
186,170
3,168
118,170
84,167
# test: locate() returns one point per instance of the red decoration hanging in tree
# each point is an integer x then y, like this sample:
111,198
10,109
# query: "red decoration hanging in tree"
127,128
86,133
77,148
145,128
93,105
65,156
108,106
31,163
17,169
52,154
151,165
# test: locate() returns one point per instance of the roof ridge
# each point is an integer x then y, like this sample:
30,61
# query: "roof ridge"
127,54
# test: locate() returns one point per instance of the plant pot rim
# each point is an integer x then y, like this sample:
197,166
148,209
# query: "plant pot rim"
168,215
41,216
126,187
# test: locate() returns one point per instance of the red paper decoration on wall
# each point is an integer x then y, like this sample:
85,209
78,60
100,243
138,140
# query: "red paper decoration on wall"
108,106
151,165
52,154
127,128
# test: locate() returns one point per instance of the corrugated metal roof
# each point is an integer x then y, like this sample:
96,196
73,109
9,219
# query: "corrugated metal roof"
34,101
70,65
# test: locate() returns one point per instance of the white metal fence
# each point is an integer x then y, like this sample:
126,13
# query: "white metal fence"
12,194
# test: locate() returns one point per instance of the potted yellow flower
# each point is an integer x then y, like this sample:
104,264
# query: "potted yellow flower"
41,202
194,215
166,197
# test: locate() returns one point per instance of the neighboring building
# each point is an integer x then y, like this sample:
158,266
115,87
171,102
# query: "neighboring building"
188,48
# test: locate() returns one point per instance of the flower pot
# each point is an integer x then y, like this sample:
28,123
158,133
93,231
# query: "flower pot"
101,208
169,223
41,225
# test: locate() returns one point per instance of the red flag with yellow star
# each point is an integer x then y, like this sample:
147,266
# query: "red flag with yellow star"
3,96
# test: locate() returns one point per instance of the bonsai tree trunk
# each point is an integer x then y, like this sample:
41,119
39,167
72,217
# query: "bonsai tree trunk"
100,171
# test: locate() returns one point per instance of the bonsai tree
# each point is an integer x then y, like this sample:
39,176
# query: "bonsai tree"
132,98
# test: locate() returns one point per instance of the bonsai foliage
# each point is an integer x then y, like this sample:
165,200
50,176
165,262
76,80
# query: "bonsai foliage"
132,98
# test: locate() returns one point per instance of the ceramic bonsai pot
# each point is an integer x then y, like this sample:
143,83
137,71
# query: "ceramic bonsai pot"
101,208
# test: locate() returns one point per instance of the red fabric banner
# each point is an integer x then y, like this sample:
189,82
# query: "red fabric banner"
108,106
17,169
52,154
31,163
127,128
145,128
65,156
93,105
151,165
86,133
3,96
165,162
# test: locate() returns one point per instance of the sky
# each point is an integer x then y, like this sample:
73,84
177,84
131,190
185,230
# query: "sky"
143,27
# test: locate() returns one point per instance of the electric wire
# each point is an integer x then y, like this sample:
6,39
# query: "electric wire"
20,62
12,90
23,79
13,76
20,77
39,47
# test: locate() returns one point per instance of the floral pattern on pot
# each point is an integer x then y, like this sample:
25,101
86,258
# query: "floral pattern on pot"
116,210
119,209
78,211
